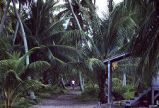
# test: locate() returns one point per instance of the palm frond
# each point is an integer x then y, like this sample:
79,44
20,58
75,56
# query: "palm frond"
53,29
33,84
72,36
38,66
65,51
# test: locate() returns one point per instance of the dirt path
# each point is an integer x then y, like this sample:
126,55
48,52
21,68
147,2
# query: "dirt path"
68,100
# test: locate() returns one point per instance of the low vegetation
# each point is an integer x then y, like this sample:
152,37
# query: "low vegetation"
44,43
90,94
50,91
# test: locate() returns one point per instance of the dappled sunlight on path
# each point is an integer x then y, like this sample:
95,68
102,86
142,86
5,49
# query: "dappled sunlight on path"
68,100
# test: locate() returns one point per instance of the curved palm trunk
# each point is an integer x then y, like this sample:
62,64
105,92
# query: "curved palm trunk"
23,33
74,15
4,16
32,96
15,33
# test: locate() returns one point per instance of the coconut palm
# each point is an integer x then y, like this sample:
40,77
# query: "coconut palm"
134,18
148,46
48,31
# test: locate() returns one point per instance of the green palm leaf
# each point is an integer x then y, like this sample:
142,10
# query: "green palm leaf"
38,66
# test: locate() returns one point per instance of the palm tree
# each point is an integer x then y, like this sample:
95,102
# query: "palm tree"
145,42
48,31
13,75
135,22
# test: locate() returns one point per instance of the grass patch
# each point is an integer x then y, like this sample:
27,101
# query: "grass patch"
48,91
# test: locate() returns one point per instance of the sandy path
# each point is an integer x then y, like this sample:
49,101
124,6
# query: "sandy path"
68,100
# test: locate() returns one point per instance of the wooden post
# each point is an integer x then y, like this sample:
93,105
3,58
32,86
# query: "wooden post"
109,82
152,97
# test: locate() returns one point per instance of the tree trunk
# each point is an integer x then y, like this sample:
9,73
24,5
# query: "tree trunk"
110,6
23,34
31,93
63,83
8,100
74,15
102,76
81,82
78,24
4,16
124,79
15,33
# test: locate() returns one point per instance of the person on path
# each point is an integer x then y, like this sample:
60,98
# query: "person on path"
73,84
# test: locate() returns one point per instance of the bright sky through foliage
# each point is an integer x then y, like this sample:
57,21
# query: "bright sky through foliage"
102,6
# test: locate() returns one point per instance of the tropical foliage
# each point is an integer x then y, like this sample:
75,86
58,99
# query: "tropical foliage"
49,42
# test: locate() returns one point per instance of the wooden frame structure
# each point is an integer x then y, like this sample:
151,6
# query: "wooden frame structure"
109,62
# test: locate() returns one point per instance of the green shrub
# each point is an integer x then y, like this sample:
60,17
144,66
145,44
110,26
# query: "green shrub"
50,90
128,95
117,85
90,93
126,91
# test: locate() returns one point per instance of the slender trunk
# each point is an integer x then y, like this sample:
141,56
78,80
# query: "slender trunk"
78,23
4,16
74,15
110,6
15,33
63,83
17,28
8,100
31,93
81,83
124,79
23,34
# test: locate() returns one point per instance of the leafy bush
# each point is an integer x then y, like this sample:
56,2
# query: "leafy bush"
128,95
126,91
117,85
90,93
